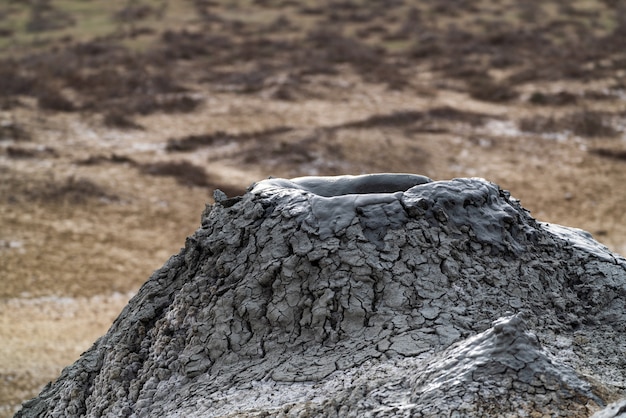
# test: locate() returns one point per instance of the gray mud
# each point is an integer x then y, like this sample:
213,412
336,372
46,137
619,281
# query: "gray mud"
382,295
332,186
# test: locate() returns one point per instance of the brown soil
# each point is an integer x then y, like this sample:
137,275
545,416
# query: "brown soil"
107,165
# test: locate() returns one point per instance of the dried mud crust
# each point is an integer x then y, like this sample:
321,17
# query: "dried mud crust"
274,307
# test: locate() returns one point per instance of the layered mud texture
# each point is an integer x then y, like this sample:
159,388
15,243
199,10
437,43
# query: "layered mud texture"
386,295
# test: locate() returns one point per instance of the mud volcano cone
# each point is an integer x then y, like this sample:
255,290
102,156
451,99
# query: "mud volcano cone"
383,295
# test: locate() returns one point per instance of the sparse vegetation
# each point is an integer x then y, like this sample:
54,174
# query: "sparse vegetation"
45,17
13,131
184,172
21,152
107,68
70,190
540,124
100,159
483,88
116,119
590,124
50,99
395,119
616,154
557,99
193,142
586,124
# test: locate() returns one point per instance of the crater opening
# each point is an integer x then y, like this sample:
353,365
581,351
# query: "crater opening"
331,186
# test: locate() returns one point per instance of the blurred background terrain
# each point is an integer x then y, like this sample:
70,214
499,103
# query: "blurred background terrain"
119,118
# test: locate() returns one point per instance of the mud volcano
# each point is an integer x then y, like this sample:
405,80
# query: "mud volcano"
385,295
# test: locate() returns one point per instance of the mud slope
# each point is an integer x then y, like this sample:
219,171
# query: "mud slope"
379,295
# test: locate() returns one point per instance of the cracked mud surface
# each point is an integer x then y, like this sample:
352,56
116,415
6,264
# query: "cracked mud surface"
444,297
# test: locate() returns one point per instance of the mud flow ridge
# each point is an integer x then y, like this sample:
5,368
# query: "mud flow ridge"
380,295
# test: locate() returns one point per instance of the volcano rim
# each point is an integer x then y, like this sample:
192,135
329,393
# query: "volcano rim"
332,186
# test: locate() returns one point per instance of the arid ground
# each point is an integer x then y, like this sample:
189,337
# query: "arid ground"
119,119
